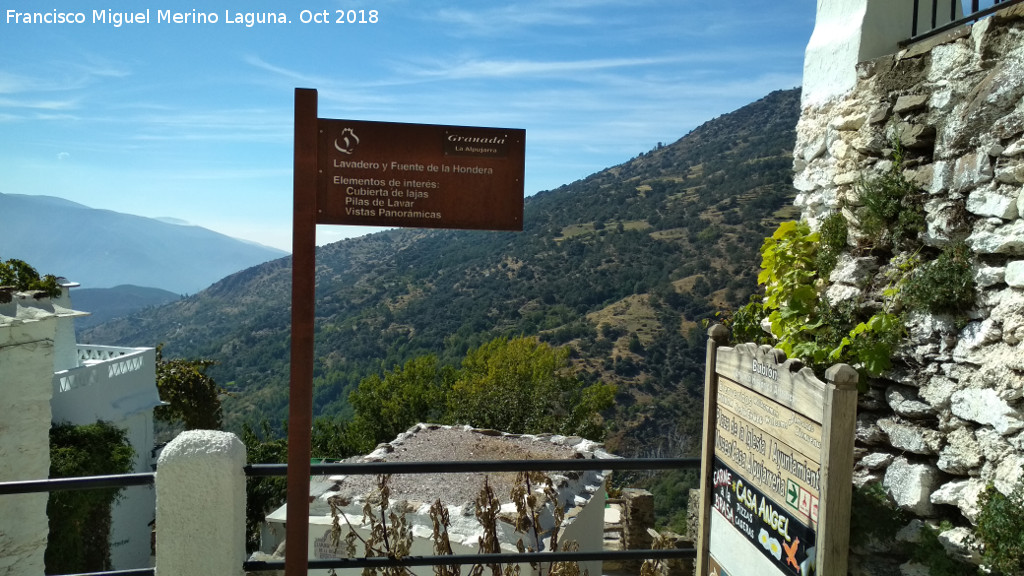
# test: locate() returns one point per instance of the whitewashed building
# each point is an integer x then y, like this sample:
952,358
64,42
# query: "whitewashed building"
581,494
84,384
28,329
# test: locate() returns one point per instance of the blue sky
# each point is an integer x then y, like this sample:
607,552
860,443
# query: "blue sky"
193,121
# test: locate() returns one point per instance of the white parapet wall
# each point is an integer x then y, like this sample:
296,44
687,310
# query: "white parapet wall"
200,505
847,32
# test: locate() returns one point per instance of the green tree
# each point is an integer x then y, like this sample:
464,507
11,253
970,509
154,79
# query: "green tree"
526,386
22,276
518,386
192,395
387,406
79,538
333,439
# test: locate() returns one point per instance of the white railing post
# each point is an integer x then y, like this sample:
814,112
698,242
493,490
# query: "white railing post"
200,505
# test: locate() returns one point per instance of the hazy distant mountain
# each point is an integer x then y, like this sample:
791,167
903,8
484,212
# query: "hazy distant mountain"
103,249
105,304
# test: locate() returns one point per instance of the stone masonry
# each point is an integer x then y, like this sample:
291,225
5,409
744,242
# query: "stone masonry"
949,420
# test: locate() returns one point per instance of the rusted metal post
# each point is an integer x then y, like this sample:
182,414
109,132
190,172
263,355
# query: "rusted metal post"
300,400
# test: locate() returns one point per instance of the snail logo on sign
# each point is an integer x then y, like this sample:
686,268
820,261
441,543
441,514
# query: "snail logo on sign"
348,141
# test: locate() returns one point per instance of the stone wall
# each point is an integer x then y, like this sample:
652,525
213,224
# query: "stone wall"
948,420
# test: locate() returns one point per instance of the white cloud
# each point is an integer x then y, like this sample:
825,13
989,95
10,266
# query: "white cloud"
39,104
520,68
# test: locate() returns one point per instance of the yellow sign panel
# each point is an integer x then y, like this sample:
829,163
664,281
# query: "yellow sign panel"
772,466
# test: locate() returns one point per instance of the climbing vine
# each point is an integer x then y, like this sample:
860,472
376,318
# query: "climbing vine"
865,330
79,539
803,323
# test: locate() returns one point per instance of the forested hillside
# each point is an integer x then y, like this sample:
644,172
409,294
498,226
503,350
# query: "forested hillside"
621,266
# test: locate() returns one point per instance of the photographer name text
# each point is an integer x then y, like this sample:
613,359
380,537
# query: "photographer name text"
156,16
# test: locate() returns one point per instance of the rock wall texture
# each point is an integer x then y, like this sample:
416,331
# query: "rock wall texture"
949,419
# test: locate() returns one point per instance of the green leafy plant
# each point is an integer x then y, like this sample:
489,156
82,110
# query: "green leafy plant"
929,551
745,322
833,233
79,539
873,515
1000,530
21,276
262,493
871,342
804,324
945,284
893,214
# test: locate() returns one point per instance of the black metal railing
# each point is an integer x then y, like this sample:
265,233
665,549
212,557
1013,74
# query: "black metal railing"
372,468
79,483
85,483
134,572
921,30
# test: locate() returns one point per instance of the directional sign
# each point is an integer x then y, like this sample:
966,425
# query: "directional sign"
420,175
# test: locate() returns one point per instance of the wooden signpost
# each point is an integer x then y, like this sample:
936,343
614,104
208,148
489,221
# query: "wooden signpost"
379,174
777,464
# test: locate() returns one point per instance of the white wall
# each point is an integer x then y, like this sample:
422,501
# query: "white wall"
26,372
200,515
847,32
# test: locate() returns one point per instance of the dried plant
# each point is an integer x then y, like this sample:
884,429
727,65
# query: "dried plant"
487,509
391,534
442,546
654,567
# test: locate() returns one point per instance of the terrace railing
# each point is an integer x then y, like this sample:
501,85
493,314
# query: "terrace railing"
375,468
84,483
265,470
932,17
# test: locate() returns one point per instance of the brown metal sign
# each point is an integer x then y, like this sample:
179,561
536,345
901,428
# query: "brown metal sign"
379,174
419,175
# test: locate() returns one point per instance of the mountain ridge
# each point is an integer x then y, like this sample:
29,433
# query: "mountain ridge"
100,248
623,266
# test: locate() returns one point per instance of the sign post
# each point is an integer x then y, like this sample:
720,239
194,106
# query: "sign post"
379,174
300,394
776,476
